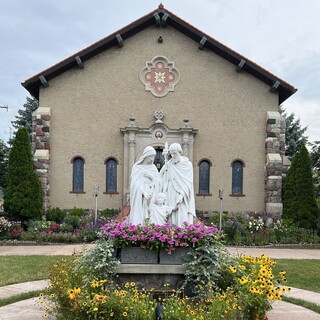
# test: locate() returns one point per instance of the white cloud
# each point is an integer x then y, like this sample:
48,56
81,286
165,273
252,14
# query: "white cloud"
281,36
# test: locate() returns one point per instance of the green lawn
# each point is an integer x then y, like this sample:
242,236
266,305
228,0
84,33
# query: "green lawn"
16,269
302,274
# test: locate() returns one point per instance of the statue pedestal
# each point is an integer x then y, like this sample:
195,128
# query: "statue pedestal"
151,277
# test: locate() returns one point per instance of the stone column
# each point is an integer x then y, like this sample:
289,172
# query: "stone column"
129,146
275,147
41,150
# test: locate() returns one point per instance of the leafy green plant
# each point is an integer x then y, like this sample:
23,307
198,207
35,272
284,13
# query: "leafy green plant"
77,212
98,262
109,213
204,265
72,220
55,214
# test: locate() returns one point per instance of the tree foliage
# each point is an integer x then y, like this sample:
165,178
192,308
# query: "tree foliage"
4,154
295,137
24,117
23,194
315,159
299,201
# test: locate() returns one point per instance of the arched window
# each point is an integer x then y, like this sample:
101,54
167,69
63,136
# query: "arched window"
77,174
204,177
237,177
111,175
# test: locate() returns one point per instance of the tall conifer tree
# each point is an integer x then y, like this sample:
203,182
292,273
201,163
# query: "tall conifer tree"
299,200
23,194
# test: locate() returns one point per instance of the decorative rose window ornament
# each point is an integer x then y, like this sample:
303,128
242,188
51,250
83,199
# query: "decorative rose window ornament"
159,76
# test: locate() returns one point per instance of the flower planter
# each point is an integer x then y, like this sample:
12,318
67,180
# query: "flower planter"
176,257
135,255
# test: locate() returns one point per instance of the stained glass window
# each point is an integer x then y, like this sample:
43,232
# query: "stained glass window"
111,175
204,177
237,177
78,173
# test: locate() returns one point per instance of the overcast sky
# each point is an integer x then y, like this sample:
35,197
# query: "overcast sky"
282,36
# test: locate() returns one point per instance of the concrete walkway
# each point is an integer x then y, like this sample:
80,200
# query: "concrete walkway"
30,310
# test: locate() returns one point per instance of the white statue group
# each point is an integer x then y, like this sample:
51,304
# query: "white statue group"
165,196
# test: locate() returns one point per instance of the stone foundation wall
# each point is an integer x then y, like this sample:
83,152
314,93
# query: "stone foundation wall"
41,150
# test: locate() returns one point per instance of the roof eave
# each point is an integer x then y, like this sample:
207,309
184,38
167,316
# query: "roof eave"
285,90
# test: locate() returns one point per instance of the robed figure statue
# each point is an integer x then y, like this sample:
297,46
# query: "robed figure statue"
144,187
177,183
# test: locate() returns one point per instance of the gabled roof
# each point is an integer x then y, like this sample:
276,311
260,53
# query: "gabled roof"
160,17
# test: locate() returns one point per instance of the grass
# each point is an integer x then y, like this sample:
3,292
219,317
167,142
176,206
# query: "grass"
19,297
302,274
17,269
305,304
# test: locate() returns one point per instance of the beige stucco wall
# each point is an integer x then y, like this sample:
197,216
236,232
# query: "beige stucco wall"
90,105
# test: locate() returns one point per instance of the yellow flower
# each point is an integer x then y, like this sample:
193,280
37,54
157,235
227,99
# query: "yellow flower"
111,314
125,314
77,290
132,284
95,309
94,283
232,269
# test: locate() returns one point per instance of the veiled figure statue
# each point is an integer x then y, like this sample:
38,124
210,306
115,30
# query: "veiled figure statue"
144,187
177,183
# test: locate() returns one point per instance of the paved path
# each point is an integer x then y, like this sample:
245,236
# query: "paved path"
30,310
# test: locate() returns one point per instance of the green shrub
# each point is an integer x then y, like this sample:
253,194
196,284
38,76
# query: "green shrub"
109,213
98,262
77,212
39,225
72,220
23,194
55,214
299,199
64,227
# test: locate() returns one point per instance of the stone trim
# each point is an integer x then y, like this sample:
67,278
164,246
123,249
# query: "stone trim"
41,150
276,162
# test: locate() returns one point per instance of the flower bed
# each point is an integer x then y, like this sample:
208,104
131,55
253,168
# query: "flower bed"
157,237
247,297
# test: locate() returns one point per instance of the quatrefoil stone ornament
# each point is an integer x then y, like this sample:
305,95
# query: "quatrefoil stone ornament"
159,76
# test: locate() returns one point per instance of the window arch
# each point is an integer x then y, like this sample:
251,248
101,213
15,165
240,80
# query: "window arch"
237,177
77,174
204,177
111,175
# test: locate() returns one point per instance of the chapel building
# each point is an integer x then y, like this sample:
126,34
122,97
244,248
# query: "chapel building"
159,80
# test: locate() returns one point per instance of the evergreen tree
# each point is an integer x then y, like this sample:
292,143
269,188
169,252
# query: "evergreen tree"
4,154
315,159
24,117
23,194
299,200
295,138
